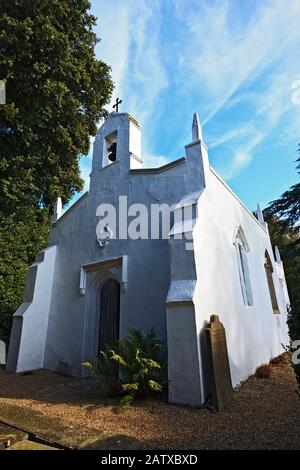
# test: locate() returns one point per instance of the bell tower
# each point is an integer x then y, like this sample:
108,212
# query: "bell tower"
117,144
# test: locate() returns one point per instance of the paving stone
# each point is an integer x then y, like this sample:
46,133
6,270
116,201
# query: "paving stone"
9,436
49,428
30,445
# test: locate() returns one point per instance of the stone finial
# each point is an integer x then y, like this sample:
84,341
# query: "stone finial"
196,128
57,212
260,215
277,255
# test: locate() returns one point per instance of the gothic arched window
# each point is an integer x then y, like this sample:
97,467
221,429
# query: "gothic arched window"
242,250
269,273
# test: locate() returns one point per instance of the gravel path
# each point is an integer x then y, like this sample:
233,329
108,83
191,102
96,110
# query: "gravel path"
264,413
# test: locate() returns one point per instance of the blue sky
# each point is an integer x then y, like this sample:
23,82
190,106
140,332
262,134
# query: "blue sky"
234,62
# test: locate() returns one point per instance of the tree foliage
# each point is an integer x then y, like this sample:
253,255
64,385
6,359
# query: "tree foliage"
283,216
288,242
22,235
287,207
56,92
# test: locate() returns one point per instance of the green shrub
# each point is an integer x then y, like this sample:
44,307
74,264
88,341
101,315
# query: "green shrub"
105,372
134,368
22,235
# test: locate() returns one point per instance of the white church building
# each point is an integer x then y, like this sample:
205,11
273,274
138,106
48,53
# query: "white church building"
102,274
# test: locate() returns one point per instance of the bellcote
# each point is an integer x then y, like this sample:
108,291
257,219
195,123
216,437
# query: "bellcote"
118,140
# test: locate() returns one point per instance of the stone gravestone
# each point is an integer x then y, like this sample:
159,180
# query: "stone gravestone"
2,353
219,363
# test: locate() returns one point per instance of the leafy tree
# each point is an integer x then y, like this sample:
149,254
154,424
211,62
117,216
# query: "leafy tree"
288,242
22,235
56,92
283,216
288,205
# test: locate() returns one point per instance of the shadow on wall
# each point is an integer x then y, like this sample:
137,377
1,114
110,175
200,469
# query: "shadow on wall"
206,374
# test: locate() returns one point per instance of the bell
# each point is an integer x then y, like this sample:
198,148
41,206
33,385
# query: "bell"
112,149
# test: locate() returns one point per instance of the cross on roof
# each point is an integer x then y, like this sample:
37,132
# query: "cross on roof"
117,104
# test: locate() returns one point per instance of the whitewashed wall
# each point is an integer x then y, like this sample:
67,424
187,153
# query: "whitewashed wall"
254,333
28,337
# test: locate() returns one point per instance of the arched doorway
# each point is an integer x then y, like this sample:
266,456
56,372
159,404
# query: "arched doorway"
109,327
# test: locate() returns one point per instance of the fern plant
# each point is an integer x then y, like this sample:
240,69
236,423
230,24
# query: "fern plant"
105,372
135,364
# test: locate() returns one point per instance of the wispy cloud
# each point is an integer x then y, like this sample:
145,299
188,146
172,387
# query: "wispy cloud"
273,113
130,33
113,27
234,61
237,133
146,73
223,51
242,155
225,55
